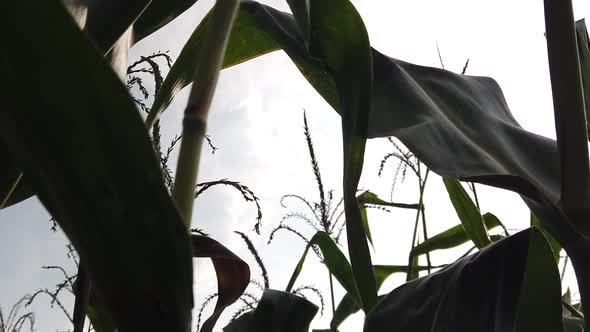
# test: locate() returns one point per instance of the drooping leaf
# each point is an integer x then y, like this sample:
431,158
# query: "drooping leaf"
553,243
348,307
276,311
467,211
158,14
459,125
452,237
511,285
233,274
99,178
335,262
368,197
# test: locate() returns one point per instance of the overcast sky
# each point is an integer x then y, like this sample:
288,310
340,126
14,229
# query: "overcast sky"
257,123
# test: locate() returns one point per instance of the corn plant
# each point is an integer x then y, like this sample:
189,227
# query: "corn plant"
112,202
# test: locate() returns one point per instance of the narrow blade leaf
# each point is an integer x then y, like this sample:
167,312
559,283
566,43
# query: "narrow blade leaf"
335,262
468,213
348,307
452,237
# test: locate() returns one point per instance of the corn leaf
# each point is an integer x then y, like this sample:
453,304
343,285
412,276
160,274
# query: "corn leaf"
368,197
99,178
468,213
459,125
158,14
348,307
335,262
511,285
452,237
276,311
553,243
233,275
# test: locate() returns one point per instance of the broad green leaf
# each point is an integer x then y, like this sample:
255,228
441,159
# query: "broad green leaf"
511,285
470,217
553,243
460,125
276,311
468,111
246,42
335,262
452,237
348,307
99,178
337,36
540,290
233,275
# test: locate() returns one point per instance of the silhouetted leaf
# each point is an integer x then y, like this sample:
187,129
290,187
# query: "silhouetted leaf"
584,55
368,197
458,125
553,243
452,237
233,274
70,123
335,262
468,213
276,311
348,307
511,285
158,14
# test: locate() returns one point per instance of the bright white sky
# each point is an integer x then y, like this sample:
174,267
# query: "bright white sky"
256,121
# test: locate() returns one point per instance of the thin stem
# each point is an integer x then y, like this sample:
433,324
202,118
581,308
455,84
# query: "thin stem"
418,212
197,109
10,191
569,108
423,214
